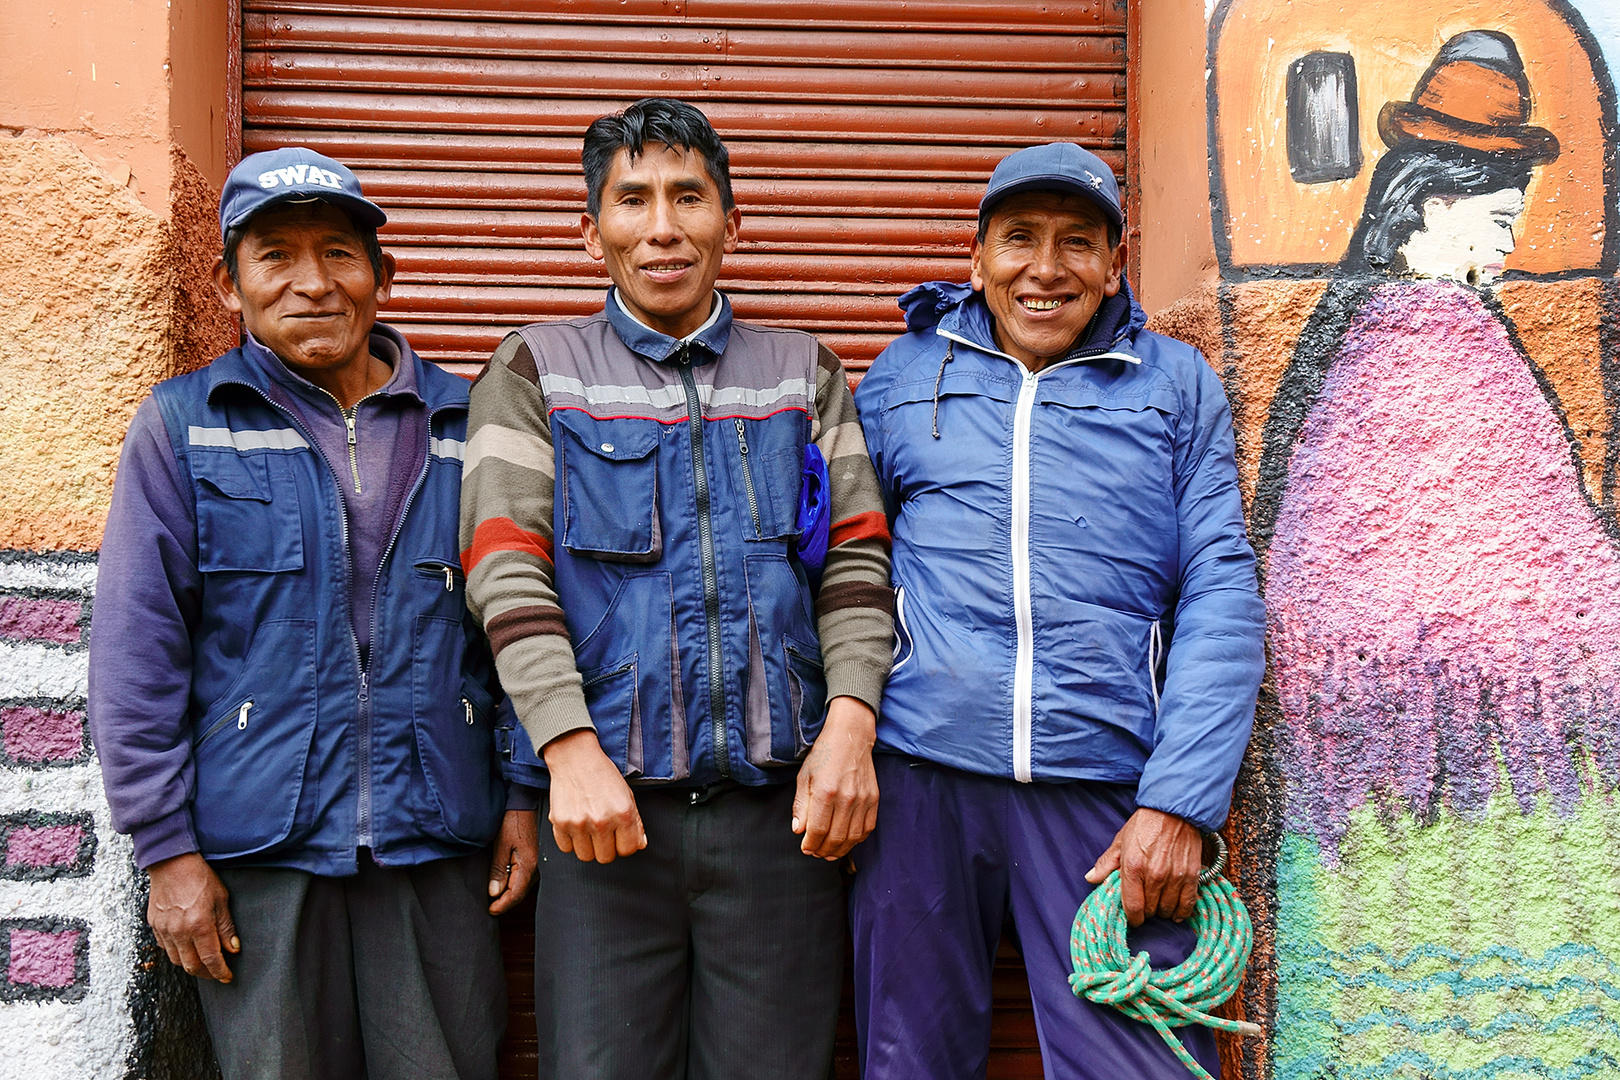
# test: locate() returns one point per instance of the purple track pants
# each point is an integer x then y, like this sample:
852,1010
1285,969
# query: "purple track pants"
954,853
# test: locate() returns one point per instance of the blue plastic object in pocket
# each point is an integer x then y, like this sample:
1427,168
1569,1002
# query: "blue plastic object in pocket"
815,513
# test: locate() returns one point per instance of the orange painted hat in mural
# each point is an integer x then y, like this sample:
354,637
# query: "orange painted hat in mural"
1475,94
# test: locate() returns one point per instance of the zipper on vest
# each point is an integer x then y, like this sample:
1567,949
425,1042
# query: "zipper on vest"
748,478
363,736
711,579
351,418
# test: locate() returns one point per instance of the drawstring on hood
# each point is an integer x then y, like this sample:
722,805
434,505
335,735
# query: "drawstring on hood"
950,354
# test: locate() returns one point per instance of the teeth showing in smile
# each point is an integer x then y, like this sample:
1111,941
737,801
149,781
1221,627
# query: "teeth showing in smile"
1042,305
665,268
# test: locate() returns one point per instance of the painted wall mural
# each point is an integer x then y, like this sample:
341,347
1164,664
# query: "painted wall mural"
1416,220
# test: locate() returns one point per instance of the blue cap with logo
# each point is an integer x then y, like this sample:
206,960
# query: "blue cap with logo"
292,174
1059,166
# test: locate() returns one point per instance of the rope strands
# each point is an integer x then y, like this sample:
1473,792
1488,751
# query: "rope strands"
1105,971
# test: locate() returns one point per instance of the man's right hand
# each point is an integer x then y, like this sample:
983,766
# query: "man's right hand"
593,812
189,911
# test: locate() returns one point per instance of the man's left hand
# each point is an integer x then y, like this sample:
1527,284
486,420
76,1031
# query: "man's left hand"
835,806
1158,857
516,857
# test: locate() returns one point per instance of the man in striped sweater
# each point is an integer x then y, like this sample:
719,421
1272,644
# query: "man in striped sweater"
634,544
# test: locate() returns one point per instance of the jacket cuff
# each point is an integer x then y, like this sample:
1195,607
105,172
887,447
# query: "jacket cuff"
522,796
557,716
164,838
1202,818
862,682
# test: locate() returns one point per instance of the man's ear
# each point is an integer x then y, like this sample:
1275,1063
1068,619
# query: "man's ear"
733,227
385,280
593,239
974,276
225,288
1116,272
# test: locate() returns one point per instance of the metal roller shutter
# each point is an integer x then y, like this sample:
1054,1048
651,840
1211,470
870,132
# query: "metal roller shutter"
861,133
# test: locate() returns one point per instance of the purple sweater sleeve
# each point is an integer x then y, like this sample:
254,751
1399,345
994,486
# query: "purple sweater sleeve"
146,604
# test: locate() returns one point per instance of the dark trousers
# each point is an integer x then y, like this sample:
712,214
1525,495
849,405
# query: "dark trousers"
953,855
392,973
715,953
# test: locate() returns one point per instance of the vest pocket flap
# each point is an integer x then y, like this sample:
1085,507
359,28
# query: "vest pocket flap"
233,475
248,516
608,490
613,440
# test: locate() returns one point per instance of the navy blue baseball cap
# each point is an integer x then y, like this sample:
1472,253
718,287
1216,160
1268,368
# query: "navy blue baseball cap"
292,174
1058,166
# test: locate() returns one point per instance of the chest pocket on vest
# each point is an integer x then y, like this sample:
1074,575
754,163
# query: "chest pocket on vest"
609,489
248,517
768,476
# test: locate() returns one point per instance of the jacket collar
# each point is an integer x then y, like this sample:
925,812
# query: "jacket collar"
702,346
959,312
248,366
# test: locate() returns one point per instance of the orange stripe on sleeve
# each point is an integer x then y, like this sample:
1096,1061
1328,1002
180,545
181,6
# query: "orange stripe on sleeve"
868,526
503,534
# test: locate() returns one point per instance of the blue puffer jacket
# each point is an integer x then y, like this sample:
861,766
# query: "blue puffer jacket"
1049,532
300,755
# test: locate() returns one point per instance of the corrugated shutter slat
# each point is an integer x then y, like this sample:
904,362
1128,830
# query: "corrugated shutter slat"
861,133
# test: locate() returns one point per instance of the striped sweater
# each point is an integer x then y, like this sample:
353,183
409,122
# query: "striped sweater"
510,511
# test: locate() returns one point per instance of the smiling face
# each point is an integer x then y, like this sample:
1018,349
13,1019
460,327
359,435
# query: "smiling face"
1045,266
662,233
306,289
1466,238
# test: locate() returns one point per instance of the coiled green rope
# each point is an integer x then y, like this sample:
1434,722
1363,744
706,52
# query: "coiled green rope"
1107,973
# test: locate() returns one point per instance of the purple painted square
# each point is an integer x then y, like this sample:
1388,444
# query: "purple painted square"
41,620
46,845
43,957
34,736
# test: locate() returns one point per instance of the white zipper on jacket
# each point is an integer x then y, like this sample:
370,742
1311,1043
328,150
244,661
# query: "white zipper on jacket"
1023,703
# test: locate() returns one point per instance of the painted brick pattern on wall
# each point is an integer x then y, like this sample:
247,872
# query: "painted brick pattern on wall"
69,896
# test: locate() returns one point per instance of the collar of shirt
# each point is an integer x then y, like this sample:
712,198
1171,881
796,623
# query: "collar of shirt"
402,383
705,343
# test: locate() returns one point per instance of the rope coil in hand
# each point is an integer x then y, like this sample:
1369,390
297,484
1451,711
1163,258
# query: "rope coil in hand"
1105,971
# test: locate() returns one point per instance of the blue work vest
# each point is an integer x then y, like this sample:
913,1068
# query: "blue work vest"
301,753
678,468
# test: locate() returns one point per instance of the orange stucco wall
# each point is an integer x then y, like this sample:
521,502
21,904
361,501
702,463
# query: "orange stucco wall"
112,144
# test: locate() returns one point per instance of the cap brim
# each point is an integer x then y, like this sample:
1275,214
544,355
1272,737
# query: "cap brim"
362,210
1067,185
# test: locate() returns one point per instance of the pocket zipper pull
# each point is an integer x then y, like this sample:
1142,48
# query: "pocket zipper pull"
449,580
241,716
468,706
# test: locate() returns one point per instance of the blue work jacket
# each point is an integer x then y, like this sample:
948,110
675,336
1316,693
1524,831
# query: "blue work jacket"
300,753
1075,590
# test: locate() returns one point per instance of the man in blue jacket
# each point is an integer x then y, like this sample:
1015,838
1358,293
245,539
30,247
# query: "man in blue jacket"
291,705
1080,634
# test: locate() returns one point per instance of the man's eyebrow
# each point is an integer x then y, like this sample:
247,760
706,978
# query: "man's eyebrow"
630,187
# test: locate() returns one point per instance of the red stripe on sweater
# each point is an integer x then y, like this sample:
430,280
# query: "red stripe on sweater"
871,525
502,534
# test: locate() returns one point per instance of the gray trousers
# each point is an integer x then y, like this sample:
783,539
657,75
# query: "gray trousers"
392,973
715,953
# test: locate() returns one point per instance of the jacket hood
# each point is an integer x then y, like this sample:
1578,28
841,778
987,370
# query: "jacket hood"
961,309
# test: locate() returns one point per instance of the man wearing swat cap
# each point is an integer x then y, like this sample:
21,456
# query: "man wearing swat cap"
1080,634
292,707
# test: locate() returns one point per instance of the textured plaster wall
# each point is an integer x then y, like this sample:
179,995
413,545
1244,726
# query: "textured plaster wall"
104,297
1426,823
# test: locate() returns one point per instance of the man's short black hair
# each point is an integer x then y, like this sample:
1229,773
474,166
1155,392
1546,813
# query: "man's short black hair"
1115,233
366,233
653,120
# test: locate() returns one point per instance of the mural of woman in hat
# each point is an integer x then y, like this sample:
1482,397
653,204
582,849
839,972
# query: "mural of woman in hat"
1432,642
